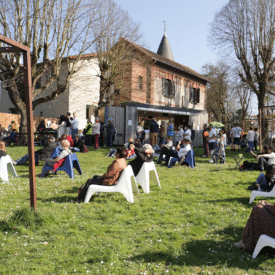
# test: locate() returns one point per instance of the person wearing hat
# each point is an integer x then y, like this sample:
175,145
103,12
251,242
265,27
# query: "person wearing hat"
110,132
42,154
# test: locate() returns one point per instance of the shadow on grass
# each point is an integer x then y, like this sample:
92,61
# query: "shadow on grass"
210,253
243,200
59,199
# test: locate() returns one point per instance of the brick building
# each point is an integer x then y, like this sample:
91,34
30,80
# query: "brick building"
154,84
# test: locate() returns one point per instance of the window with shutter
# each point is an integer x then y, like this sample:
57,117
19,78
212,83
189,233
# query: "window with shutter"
191,95
198,96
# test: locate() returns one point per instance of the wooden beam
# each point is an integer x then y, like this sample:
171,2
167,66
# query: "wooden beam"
9,50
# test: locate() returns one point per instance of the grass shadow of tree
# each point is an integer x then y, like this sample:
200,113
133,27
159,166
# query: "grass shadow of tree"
210,253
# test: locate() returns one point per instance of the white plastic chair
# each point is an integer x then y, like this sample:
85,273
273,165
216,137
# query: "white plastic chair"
143,176
255,194
263,241
126,186
5,167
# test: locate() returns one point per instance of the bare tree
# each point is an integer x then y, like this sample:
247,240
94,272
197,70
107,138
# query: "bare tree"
53,30
247,27
220,99
113,52
243,94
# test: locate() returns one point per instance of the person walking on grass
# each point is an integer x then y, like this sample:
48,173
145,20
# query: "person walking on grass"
236,134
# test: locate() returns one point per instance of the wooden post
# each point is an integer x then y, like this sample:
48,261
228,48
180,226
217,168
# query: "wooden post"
260,128
28,99
17,47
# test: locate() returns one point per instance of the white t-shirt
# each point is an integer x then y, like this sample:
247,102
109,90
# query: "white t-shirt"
250,135
211,134
271,158
184,151
236,131
225,139
187,133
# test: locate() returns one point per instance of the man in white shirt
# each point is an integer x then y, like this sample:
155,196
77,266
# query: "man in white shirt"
187,133
250,138
236,133
270,155
74,125
182,152
212,141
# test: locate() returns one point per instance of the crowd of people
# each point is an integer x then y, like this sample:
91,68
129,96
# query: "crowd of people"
171,146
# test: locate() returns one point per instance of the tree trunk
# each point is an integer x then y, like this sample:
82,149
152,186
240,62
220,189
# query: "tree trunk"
265,123
23,128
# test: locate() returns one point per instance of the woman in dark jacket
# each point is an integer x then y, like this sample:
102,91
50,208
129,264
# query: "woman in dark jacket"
144,154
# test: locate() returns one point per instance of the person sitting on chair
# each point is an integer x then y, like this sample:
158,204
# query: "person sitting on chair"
261,221
60,159
164,148
11,138
144,154
42,154
265,182
270,155
2,149
111,177
181,153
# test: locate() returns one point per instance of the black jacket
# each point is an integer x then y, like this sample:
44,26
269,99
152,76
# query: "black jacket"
154,127
139,160
46,152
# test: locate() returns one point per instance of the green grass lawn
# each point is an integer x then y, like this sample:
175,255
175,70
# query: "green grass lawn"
186,227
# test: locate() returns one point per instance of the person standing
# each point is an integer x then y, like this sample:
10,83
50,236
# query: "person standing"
140,131
170,130
212,141
110,132
154,130
74,124
205,141
250,138
187,133
88,133
256,138
236,133
162,133
96,132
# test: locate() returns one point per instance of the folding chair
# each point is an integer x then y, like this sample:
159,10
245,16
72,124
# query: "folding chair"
126,186
70,163
190,159
263,241
5,167
255,194
143,177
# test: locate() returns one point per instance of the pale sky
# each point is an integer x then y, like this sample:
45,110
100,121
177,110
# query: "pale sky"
187,24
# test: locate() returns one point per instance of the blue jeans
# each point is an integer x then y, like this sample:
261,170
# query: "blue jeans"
74,133
172,162
262,181
161,141
26,158
251,145
109,140
75,149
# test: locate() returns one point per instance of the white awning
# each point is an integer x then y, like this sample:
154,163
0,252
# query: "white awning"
167,111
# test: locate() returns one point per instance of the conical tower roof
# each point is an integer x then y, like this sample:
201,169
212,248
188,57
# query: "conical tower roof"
164,48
